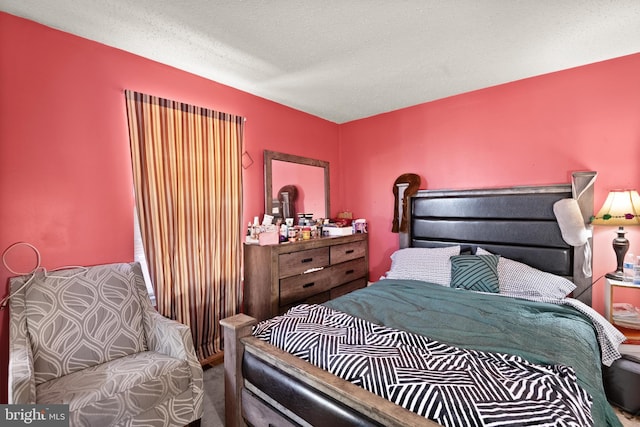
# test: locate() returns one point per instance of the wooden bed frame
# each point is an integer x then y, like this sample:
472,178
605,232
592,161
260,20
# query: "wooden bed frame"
500,220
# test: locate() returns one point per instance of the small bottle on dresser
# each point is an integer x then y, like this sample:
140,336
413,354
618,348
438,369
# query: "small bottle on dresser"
636,269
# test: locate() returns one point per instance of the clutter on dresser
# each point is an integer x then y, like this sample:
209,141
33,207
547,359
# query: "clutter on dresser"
283,231
334,230
344,225
360,225
265,233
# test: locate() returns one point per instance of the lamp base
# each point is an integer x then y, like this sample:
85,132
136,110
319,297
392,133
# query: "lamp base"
620,247
615,275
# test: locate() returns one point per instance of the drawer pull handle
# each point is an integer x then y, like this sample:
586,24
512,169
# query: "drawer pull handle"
308,285
349,272
350,251
305,260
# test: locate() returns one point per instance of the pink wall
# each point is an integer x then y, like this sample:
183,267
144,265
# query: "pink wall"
534,131
65,174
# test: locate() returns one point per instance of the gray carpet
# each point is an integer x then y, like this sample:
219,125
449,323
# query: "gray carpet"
213,397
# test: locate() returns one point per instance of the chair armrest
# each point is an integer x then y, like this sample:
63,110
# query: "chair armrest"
171,338
174,339
22,382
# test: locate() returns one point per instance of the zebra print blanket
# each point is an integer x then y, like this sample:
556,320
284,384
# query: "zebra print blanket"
450,385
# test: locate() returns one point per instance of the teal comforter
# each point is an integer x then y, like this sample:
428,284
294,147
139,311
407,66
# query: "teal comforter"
540,332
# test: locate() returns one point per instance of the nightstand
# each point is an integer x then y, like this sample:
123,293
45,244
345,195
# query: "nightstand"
622,379
611,285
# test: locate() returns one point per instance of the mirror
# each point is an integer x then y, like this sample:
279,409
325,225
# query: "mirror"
294,185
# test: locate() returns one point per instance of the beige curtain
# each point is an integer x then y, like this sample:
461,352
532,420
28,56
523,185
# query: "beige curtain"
188,186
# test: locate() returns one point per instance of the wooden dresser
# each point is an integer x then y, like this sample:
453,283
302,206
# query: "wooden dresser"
277,277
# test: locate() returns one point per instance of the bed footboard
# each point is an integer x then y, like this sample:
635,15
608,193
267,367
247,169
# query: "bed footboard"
361,405
235,328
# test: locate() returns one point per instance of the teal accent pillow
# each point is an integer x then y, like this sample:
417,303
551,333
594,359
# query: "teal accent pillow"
475,272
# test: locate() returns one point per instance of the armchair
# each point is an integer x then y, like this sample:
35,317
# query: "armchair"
90,338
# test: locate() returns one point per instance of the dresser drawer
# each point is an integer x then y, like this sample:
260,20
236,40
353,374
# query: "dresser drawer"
313,299
277,277
338,291
298,262
348,251
348,271
301,286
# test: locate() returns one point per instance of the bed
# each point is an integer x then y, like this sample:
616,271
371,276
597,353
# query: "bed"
417,348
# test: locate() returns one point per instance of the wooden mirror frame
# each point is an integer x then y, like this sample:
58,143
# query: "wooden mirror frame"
269,156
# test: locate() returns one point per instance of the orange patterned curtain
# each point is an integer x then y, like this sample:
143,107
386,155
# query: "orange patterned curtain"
188,186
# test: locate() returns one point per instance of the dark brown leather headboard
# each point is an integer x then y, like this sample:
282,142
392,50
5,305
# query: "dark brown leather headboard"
515,222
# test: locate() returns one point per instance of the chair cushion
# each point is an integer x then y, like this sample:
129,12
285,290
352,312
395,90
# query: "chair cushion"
82,317
114,391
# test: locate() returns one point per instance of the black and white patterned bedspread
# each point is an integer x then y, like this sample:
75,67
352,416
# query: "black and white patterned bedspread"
450,385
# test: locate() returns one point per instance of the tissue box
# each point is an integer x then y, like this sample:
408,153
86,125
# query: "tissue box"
337,231
268,238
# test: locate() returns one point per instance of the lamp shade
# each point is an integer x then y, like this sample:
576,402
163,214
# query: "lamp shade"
621,208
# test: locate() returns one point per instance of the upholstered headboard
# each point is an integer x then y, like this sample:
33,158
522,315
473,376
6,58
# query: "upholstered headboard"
515,222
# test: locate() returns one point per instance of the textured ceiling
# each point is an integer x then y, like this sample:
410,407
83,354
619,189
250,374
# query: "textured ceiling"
344,60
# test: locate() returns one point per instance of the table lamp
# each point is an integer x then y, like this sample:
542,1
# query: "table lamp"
621,208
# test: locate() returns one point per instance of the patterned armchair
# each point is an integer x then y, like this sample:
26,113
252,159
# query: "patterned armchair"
90,338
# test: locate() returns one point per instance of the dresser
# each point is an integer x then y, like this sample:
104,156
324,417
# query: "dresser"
277,277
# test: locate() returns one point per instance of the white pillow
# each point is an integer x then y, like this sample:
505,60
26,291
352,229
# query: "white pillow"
520,279
426,264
